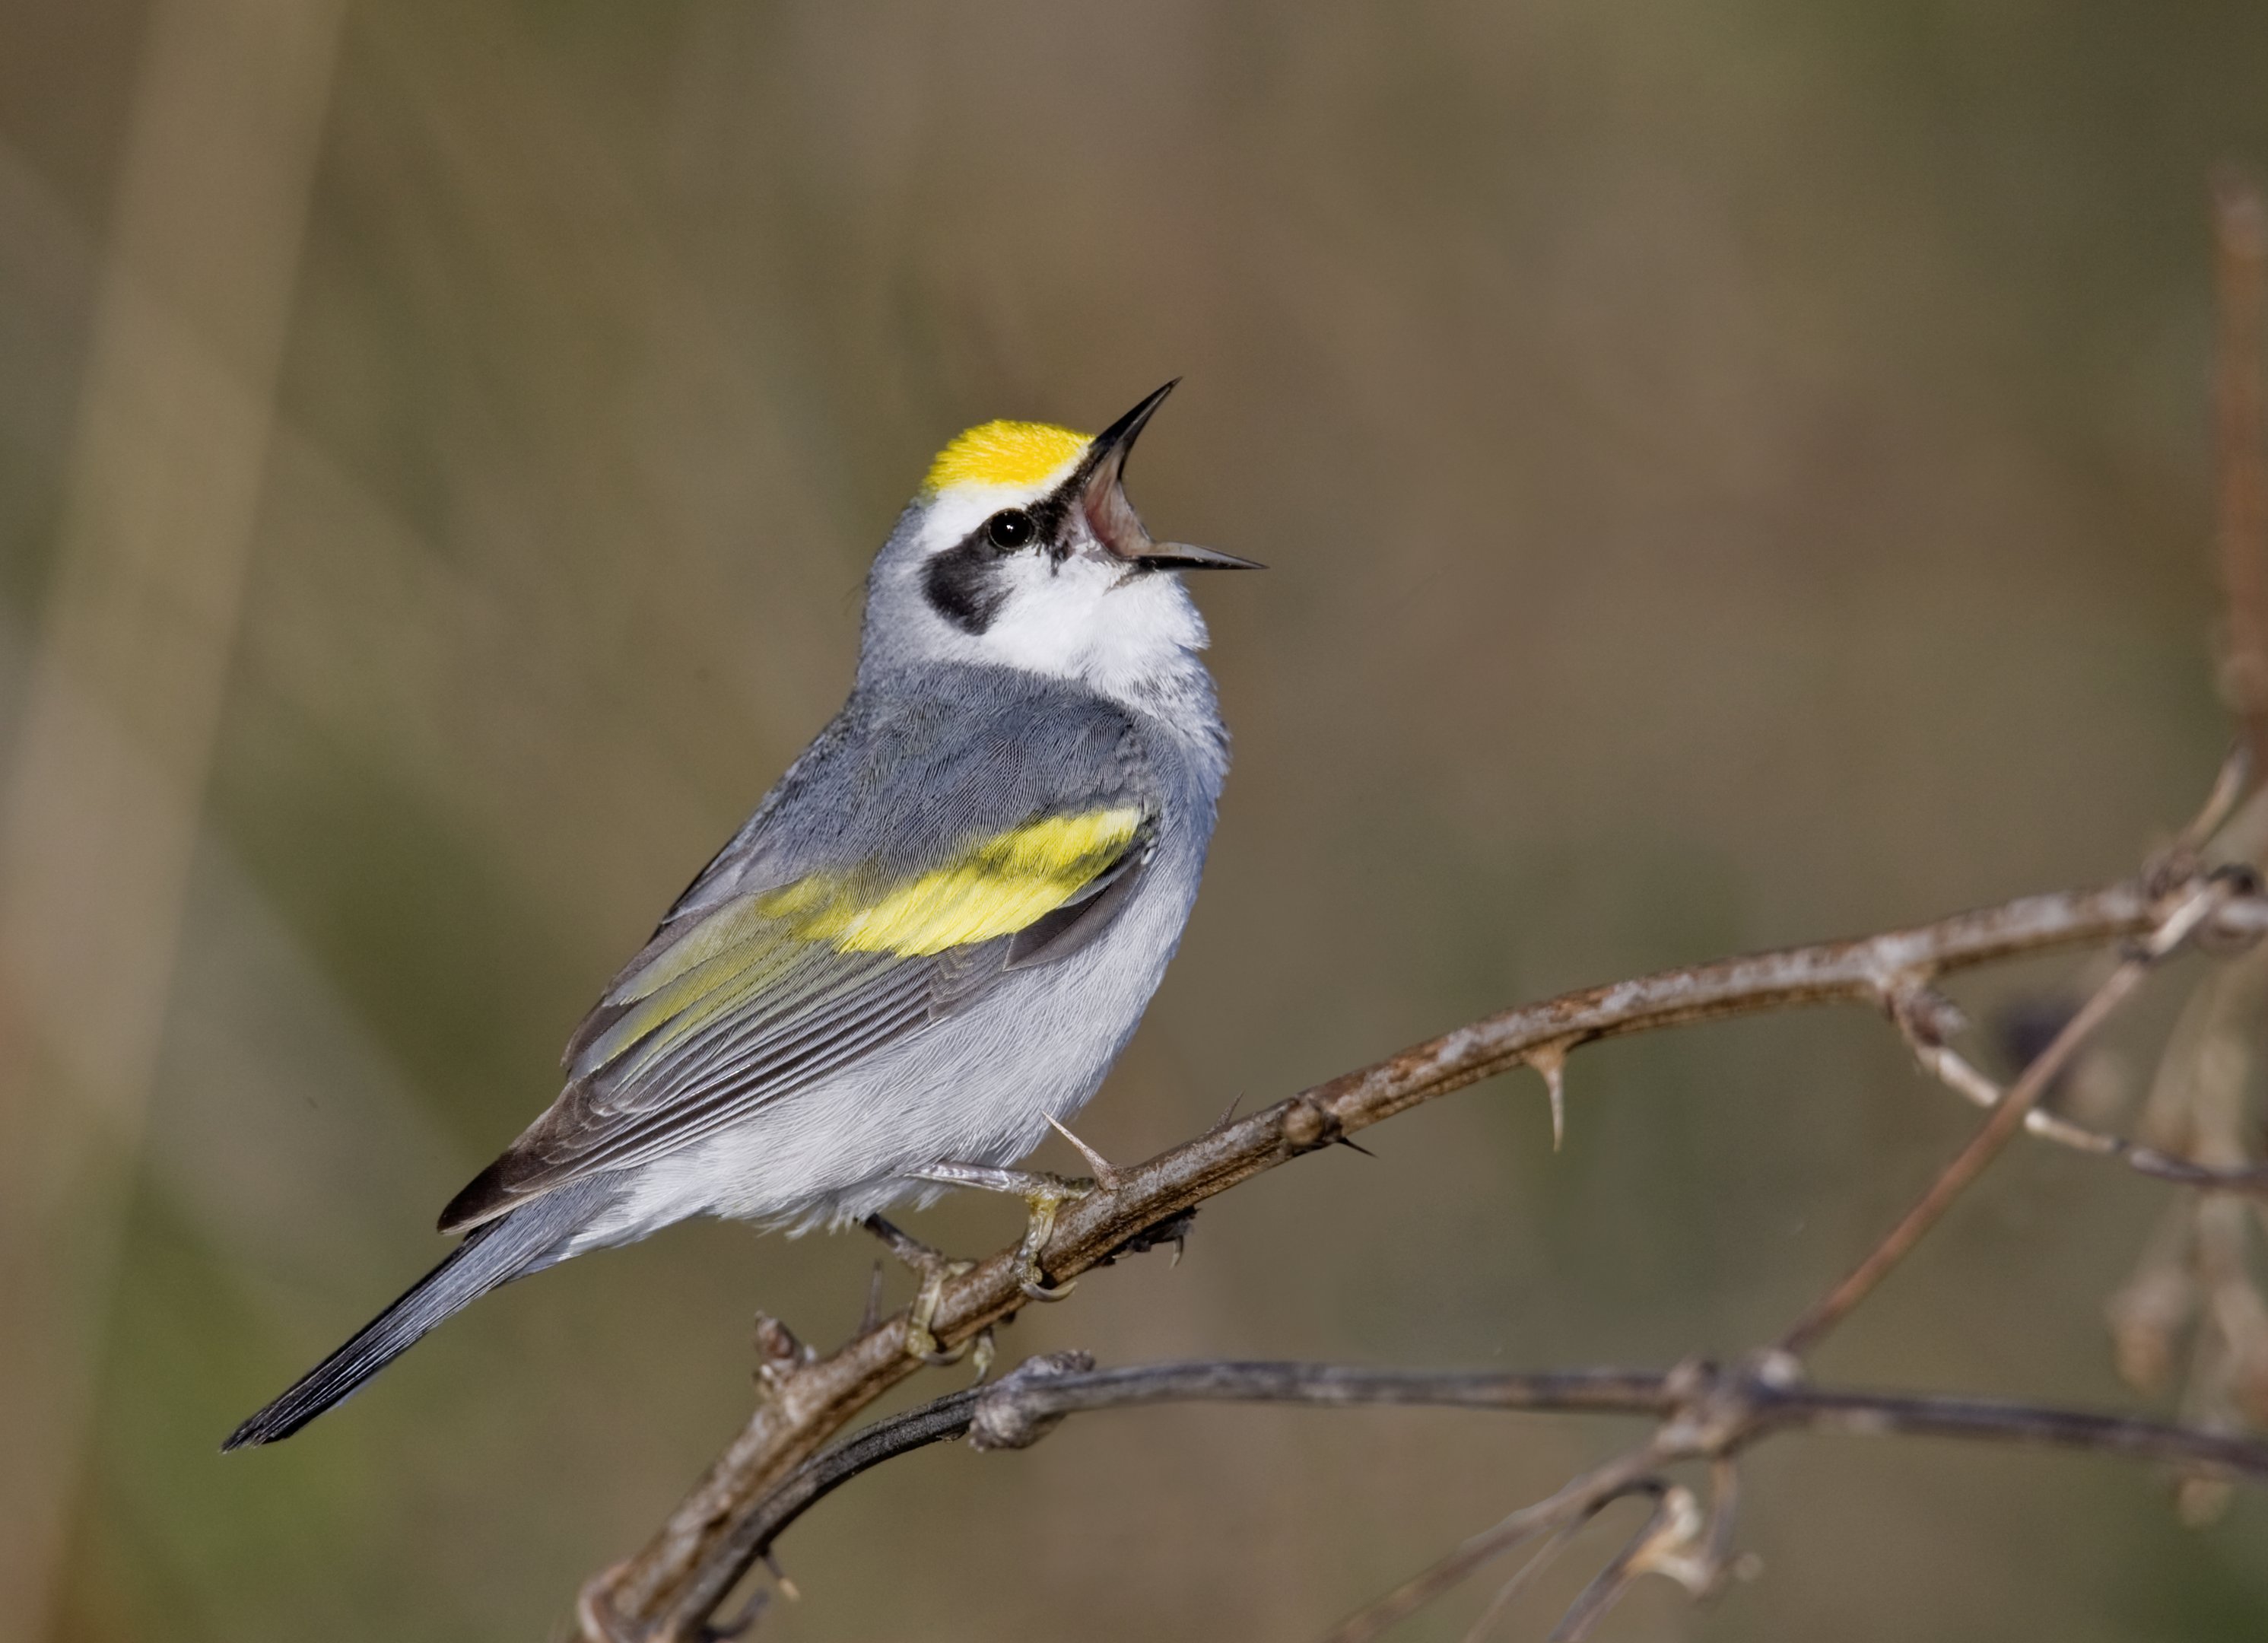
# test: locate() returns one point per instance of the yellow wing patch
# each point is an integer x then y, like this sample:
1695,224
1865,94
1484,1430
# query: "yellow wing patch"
1025,454
747,951
1004,884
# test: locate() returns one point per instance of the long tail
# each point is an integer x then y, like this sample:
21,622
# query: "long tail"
527,1240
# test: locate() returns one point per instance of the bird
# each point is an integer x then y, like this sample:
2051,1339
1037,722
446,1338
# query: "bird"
931,940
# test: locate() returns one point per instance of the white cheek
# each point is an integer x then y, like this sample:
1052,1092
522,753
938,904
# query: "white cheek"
1088,619
1052,615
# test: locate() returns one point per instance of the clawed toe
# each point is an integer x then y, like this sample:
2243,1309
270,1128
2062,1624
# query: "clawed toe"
920,1342
1044,1204
936,1270
1045,1195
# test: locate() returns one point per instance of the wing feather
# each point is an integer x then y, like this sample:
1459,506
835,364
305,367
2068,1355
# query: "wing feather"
770,990
644,1132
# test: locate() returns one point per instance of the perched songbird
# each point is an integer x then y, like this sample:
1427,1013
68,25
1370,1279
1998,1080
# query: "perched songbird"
935,934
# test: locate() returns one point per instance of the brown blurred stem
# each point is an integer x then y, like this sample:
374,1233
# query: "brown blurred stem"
2241,275
668,1590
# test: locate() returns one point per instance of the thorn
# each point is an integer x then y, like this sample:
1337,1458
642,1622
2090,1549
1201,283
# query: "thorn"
1229,1111
1105,1176
779,1576
872,1315
1551,1061
1357,1146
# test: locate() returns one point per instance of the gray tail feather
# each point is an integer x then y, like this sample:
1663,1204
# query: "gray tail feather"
511,1246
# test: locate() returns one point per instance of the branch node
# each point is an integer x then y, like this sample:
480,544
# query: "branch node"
2231,881
778,1353
1777,1370
1003,1419
1921,1012
1674,1547
1608,1587
1308,1124
2227,930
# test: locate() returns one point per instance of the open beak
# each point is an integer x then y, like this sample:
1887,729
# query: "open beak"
1103,498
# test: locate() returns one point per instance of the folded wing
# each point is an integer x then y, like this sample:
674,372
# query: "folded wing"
753,996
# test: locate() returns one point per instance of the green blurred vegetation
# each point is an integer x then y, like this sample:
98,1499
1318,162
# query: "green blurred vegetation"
1733,474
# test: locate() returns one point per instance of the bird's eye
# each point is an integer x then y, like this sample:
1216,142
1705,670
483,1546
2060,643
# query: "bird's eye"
1010,529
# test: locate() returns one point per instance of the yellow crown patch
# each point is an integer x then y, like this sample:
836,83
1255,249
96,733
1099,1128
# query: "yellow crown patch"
1005,453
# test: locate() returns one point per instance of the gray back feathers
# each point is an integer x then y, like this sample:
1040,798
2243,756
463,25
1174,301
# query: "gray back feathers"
923,760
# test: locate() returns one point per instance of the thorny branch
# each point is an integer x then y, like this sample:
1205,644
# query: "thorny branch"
2196,1134
669,1589
1689,1545
2241,433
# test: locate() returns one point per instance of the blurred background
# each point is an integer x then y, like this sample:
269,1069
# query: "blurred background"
1734,475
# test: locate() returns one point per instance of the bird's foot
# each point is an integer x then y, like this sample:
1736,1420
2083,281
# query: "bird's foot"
935,1269
1045,1195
